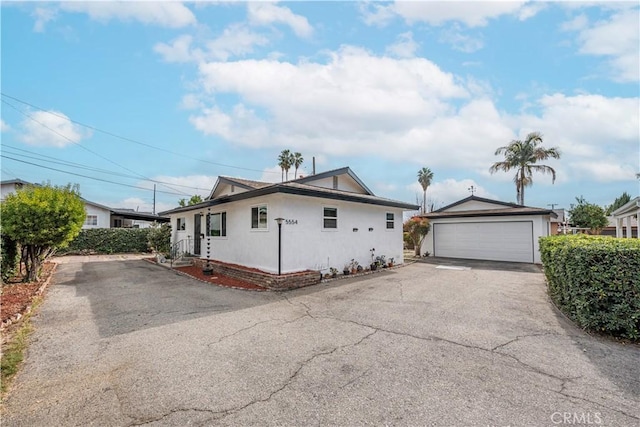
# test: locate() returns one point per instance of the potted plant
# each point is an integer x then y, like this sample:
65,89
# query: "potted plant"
333,272
390,263
354,266
381,261
346,269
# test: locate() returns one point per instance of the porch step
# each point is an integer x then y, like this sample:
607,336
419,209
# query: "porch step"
183,262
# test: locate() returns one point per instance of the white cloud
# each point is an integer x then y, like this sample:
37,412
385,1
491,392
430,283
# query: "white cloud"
161,13
179,50
190,184
42,16
51,129
404,47
273,174
470,13
235,40
459,41
616,38
447,191
262,13
4,127
604,170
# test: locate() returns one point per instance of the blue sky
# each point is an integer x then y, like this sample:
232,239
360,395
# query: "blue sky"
179,93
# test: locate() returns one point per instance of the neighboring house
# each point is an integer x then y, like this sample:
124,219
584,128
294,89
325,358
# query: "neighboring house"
478,228
98,216
558,223
328,219
625,219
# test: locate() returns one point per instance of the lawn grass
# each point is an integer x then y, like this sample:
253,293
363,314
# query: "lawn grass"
14,349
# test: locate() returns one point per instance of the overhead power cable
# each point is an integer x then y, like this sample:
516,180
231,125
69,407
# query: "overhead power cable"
89,177
83,147
124,138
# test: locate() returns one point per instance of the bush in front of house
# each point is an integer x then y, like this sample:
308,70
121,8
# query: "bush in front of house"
160,238
595,281
109,241
10,257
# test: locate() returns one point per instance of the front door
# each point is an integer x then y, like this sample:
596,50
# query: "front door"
197,229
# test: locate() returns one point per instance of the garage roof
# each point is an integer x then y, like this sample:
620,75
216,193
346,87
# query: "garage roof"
501,209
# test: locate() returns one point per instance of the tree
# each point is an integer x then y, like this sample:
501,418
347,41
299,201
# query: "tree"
285,161
618,203
41,219
588,215
424,178
297,162
523,156
417,229
192,201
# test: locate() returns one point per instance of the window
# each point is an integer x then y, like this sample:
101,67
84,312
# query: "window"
330,218
182,224
117,223
217,225
91,220
390,221
259,217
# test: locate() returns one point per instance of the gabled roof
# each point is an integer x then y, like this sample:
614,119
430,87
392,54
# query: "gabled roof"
16,181
301,189
247,184
629,208
334,172
508,209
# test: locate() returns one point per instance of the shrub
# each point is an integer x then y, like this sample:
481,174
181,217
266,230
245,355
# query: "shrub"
10,258
595,281
160,238
109,241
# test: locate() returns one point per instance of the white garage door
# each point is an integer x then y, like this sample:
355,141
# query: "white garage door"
497,241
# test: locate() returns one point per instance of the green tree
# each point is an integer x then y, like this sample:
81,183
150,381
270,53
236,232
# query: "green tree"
297,162
285,161
588,215
618,203
41,219
192,201
523,156
425,176
417,229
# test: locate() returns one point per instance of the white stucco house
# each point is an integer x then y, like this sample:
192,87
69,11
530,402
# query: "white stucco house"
485,229
98,216
328,219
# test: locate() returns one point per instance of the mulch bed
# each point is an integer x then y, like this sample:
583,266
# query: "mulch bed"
218,279
17,296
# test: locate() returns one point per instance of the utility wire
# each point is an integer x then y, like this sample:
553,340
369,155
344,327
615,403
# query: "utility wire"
51,159
89,177
83,147
124,138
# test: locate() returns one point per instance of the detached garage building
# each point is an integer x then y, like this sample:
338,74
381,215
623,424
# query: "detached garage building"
478,228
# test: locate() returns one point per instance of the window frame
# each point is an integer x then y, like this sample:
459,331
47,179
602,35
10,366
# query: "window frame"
92,223
391,221
223,225
181,223
325,218
266,222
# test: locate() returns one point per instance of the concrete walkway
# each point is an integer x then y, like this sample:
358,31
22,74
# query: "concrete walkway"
126,342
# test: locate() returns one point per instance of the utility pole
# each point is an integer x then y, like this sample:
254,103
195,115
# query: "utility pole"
553,205
154,199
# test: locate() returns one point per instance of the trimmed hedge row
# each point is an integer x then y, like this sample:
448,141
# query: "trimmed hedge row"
595,281
109,241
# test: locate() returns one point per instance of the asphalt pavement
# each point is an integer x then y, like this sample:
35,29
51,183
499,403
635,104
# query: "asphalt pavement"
123,342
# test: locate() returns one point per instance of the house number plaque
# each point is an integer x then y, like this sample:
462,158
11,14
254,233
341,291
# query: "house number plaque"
291,221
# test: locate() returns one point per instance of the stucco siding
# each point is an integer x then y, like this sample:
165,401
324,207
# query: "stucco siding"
103,217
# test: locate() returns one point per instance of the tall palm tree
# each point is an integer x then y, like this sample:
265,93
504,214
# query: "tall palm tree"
523,156
285,161
297,162
424,178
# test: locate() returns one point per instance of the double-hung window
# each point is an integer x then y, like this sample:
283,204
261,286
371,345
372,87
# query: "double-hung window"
217,225
390,221
259,217
91,220
329,218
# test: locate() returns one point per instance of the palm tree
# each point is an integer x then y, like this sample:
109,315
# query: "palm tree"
285,161
424,178
523,156
297,162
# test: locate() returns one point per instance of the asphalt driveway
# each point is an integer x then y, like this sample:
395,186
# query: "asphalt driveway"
126,342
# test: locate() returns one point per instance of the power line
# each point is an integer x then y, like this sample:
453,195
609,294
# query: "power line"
124,138
86,176
51,159
80,145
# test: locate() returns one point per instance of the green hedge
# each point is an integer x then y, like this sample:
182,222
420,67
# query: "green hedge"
109,241
10,257
595,281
